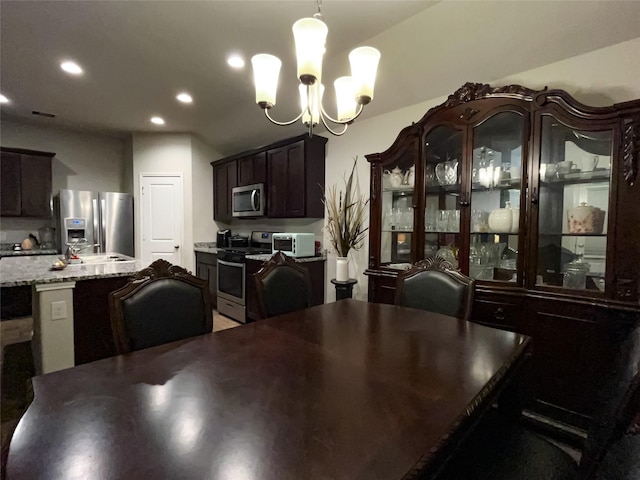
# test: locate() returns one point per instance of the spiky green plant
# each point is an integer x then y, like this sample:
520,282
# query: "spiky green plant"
346,214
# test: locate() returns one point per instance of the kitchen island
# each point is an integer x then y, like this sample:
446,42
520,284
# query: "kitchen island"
69,307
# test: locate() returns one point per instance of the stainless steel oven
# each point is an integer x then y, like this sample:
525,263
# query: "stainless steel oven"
231,288
248,201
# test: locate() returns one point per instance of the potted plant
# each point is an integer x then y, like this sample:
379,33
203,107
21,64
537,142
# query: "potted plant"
346,214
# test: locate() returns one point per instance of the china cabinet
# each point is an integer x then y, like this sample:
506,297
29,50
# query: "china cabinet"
532,194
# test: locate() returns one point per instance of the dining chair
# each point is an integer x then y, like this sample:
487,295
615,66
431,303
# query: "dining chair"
160,304
505,450
283,286
435,285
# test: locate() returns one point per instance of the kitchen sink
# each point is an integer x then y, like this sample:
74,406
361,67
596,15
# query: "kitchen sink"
100,258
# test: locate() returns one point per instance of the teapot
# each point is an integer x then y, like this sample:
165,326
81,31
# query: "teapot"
395,177
501,219
410,176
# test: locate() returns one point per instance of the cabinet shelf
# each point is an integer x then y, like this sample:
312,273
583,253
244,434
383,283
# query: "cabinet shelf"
443,188
402,190
596,176
507,185
558,234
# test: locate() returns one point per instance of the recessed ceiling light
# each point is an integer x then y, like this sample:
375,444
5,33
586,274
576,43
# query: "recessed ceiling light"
235,61
71,67
3,99
184,97
157,120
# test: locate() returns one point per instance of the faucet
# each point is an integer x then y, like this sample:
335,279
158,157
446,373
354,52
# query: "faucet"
74,248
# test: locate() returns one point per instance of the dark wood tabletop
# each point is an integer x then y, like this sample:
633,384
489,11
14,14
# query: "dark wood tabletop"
346,390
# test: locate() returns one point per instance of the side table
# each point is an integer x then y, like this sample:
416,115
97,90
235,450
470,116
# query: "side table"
344,289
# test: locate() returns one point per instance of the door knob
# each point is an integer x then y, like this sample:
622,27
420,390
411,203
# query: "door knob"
176,246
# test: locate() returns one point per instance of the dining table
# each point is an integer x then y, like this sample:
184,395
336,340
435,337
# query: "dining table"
345,390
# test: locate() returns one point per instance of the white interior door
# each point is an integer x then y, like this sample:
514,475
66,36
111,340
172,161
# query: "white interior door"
162,217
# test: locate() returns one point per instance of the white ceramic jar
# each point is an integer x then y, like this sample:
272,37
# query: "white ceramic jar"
501,219
585,219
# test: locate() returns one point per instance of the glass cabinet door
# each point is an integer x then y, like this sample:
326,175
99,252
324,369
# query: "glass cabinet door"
496,178
574,185
398,181
443,155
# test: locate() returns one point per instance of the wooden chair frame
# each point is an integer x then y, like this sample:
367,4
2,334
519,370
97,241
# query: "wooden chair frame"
441,265
278,260
158,270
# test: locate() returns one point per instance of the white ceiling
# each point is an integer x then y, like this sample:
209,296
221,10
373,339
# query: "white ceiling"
138,54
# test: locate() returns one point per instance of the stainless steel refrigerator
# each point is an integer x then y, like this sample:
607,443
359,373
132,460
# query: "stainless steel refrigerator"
105,218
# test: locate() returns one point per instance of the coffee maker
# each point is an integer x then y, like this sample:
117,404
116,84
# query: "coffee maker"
223,238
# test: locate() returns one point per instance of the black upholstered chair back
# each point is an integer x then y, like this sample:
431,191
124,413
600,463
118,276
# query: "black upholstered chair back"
283,286
161,304
435,286
618,401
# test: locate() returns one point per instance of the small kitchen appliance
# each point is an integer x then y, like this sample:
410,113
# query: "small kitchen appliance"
295,244
248,201
222,238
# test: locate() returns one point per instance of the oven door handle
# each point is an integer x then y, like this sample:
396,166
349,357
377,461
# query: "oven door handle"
254,196
231,264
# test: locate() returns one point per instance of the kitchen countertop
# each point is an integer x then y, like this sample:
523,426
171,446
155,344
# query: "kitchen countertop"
23,253
266,257
205,247
35,269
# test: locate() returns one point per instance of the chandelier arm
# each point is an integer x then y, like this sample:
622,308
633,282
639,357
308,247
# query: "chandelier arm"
341,122
282,124
330,130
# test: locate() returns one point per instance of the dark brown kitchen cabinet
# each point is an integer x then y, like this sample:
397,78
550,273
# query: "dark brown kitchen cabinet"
533,195
207,269
252,169
25,177
293,171
296,178
225,177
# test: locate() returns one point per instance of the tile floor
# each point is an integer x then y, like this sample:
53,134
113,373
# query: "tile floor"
220,322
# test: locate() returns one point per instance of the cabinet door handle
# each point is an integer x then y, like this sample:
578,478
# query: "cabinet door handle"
499,314
464,200
534,196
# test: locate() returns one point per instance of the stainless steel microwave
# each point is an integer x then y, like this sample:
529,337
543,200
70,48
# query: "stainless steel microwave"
249,201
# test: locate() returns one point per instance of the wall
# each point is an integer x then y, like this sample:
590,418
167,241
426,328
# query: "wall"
601,77
204,227
191,157
164,153
84,160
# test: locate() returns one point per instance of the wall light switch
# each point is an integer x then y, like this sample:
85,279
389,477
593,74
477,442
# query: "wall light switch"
58,310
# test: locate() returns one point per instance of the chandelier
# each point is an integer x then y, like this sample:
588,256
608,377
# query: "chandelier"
352,93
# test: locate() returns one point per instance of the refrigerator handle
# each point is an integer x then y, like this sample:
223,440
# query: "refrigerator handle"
103,225
96,222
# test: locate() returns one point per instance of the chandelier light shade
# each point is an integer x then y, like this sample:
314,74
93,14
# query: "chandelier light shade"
364,66
266,70
352,93
310,35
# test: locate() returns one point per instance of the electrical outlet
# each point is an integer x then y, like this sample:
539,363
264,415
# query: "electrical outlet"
58,310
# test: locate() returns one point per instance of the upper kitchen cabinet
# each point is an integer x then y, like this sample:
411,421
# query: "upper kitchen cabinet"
292,171
25,177
296,172
252,169
225,177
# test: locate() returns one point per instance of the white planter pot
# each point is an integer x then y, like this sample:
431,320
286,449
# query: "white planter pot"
342,269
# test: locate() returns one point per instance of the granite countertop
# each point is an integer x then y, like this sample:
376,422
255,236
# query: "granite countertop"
267,256
23,253
35,269
210,247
